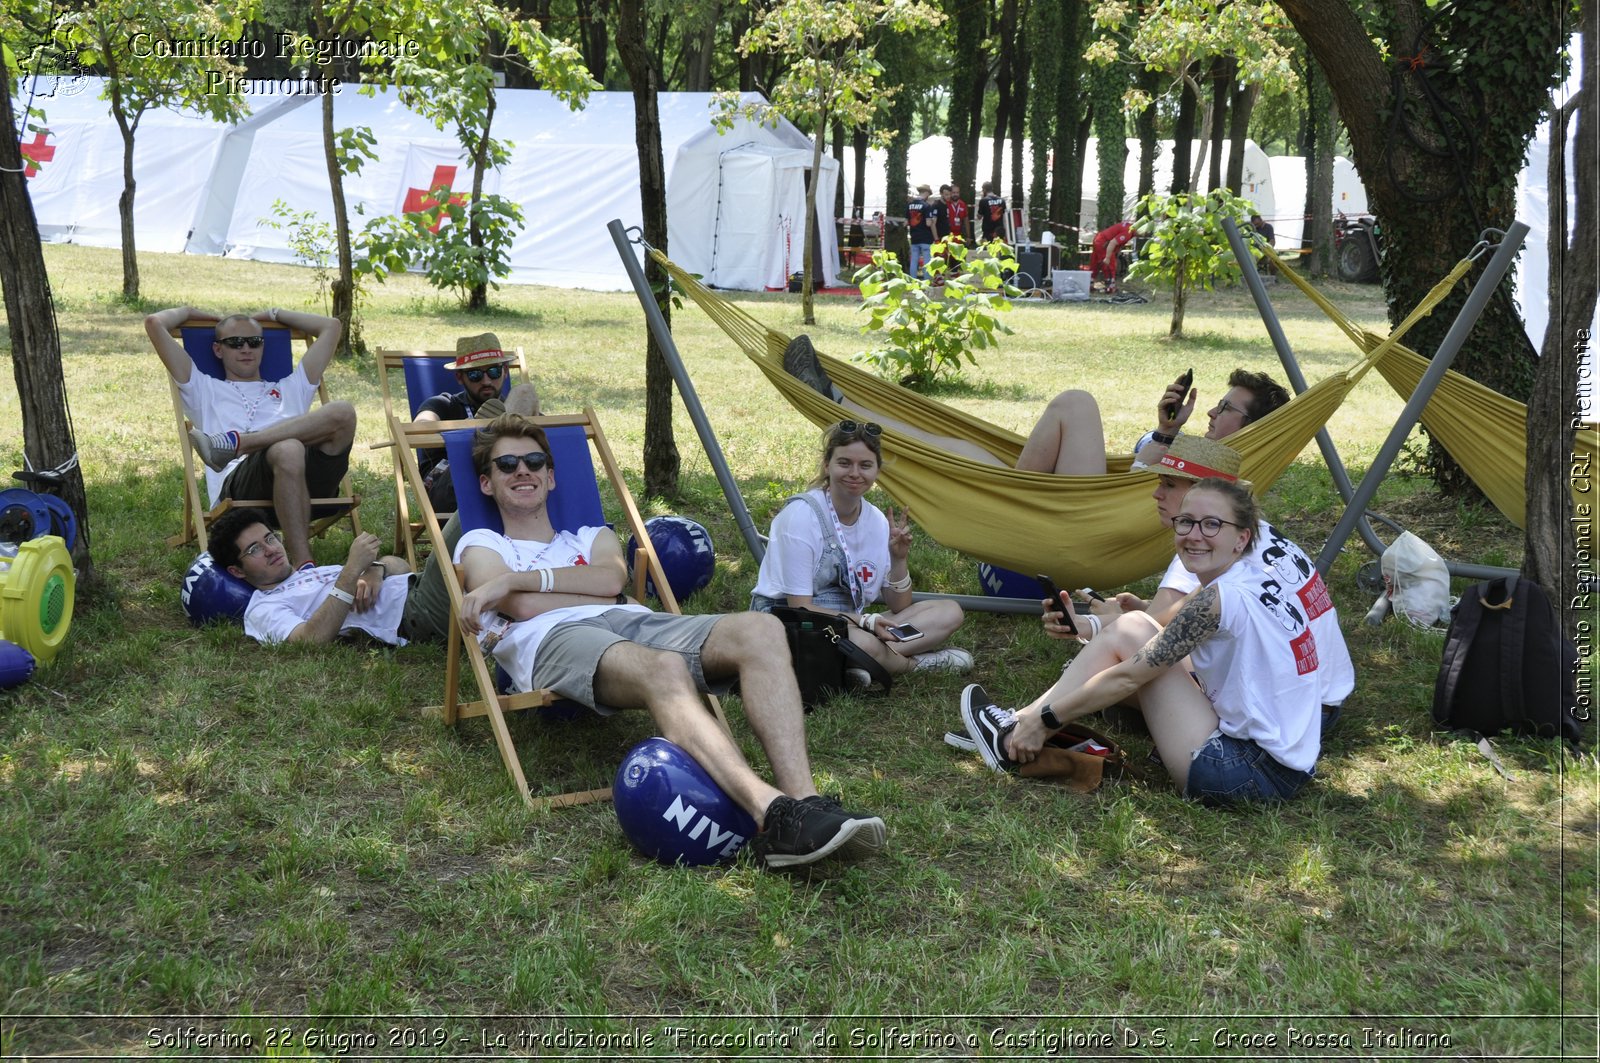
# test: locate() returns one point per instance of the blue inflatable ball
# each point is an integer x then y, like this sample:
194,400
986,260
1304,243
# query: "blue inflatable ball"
1003,583
671,810
684,548
16,665
211,592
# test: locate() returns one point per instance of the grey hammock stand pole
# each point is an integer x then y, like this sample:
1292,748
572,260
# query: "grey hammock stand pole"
1449,347
1297,381
708,438
691,399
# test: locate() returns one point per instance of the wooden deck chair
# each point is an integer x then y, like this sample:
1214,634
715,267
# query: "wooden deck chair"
575,502
277,362
423,375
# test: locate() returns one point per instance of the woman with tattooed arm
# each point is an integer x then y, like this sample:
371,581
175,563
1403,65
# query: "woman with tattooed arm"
1228,688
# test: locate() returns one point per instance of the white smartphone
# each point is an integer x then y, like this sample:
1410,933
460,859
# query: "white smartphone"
904,632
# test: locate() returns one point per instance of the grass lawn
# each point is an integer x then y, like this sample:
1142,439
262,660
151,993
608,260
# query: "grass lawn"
194,825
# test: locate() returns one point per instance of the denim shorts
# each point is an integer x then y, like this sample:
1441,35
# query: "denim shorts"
1227,770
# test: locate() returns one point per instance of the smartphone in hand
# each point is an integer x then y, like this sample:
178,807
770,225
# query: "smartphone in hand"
1053,593
1184,383
904,632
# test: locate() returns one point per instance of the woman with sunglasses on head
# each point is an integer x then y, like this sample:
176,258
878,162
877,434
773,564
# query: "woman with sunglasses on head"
832,550
1228,689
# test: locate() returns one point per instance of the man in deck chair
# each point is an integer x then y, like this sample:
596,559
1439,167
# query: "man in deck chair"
1187,461
550,607
1068,439
479,365
263,438
311,603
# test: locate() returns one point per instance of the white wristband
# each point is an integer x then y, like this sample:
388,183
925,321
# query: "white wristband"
901,584
869,620
546,580
344,596
1094,622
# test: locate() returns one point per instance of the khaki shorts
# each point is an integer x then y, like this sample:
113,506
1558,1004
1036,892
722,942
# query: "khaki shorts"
569,656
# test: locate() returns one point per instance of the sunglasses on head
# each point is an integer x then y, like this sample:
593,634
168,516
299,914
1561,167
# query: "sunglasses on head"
236,342
493,372
868,428
534,460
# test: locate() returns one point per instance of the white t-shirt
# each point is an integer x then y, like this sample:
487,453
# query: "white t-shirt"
242,406
272,615
1260,669
518,646
797,541
1274,555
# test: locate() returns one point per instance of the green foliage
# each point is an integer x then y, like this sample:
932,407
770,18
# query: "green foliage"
312,241
930,326
1186,246
437,240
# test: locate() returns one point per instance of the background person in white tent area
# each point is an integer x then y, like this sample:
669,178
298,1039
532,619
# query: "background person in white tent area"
262,438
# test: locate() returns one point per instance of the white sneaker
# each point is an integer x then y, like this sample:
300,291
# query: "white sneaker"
857,678
948,659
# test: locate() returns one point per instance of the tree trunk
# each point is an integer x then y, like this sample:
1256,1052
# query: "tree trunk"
1244,102
838,157
860,140
478,297
1047,20
1019,122
1324,123
1221,91
1149,143
898,59
1180,296
127,126
660,449
343,289
1551,556
808,309
1110,128
1182,139
1067,171
1004,79
1470,82
47,439
968,75
698,51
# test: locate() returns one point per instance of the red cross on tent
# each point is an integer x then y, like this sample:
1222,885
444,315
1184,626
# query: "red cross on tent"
36,153
420,199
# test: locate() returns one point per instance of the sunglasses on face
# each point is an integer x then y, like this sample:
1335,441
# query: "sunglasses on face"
869,428
269,539
1209,526
534,460
493,372
236,342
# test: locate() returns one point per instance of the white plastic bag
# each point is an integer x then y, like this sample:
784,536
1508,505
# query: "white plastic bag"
1418,581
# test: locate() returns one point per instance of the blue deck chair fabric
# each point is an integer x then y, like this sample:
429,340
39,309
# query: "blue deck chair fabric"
427,377
574,503
277,354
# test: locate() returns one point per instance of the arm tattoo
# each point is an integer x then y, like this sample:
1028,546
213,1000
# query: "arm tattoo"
1197,621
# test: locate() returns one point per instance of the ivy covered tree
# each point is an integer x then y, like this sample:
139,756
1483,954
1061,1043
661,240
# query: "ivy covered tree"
120,39
1439,101
831,74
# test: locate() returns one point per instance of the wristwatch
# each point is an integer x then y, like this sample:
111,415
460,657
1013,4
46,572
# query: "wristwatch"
1047,716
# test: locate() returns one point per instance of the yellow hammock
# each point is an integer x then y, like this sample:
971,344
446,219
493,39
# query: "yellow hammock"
1081,530
1483,430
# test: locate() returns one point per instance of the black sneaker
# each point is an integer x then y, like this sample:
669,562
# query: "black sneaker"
988,724
800,361
865,842
799,832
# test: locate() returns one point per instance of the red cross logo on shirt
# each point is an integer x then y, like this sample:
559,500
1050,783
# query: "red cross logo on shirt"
36,153
420,199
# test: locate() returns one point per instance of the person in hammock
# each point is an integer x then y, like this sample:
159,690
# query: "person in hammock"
1229,688
1068,439
832,550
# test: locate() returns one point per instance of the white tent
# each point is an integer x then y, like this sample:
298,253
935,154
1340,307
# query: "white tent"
77,157
735,200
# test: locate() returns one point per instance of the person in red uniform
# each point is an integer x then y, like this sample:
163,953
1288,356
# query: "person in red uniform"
958,212
1107,243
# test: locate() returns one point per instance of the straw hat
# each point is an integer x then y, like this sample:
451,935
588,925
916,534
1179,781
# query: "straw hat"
924,188
473,352
1199,458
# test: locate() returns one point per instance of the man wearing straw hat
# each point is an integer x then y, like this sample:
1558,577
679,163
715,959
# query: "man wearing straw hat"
479,366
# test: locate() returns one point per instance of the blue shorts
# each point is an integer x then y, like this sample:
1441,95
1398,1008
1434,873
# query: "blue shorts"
1227,770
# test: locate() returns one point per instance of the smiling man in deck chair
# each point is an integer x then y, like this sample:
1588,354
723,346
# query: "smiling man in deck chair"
262,436
550,607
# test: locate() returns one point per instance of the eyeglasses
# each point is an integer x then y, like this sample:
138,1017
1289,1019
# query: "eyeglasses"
867,428
1209,526
534,460
269,539
494,372
236,342
1223,406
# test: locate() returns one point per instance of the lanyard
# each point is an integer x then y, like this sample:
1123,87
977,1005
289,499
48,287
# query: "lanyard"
858,593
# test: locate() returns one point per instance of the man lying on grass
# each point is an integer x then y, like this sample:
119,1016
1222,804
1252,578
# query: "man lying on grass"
550,606
311,603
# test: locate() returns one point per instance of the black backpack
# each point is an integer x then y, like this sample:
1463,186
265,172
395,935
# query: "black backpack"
1507,666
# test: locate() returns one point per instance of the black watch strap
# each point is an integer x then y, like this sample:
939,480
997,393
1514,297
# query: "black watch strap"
1047,716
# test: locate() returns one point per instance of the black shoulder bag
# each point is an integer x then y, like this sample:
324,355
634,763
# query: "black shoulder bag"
820,646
